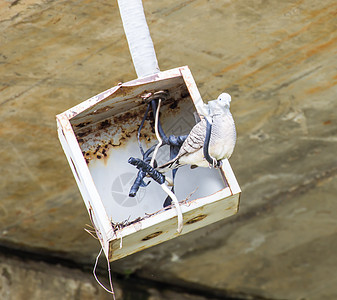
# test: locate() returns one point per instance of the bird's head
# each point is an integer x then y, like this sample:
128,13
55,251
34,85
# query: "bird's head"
220,105
224,99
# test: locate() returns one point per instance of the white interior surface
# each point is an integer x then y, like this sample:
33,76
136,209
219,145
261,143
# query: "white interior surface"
114,176
197,183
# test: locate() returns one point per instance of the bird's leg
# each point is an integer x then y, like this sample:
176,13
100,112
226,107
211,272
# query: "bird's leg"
214,162
218,164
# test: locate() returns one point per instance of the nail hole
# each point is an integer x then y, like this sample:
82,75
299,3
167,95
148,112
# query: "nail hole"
196,219
152,235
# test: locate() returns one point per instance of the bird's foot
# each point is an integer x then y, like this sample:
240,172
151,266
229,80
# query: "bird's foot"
215,163
218,164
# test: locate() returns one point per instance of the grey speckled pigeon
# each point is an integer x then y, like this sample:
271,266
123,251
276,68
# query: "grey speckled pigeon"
222,139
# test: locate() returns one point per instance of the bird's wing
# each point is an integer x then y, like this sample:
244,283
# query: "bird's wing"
193,143
195,139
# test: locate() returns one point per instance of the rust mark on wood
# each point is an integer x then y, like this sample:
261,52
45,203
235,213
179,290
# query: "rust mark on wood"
97,140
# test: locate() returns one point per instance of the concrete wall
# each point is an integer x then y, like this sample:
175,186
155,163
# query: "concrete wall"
278,61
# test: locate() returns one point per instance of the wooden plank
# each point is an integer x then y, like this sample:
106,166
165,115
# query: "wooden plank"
162,227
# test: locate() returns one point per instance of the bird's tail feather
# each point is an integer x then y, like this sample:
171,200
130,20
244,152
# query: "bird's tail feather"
170,165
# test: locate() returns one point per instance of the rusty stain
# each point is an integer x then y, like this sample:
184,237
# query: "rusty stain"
97,149
152,235
82,124
105,124
120,120
81,134
129,92
196,219
101,151
96,140
173,105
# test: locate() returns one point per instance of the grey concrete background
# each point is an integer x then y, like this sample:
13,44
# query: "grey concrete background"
278,61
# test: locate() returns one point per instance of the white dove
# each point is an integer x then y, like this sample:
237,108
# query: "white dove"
222,139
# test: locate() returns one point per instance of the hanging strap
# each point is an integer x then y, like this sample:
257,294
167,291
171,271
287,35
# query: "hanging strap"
206,142
212,161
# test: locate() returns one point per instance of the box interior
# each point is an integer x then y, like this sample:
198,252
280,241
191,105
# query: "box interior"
107,135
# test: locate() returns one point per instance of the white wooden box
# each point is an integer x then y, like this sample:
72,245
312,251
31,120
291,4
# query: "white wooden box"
100,134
